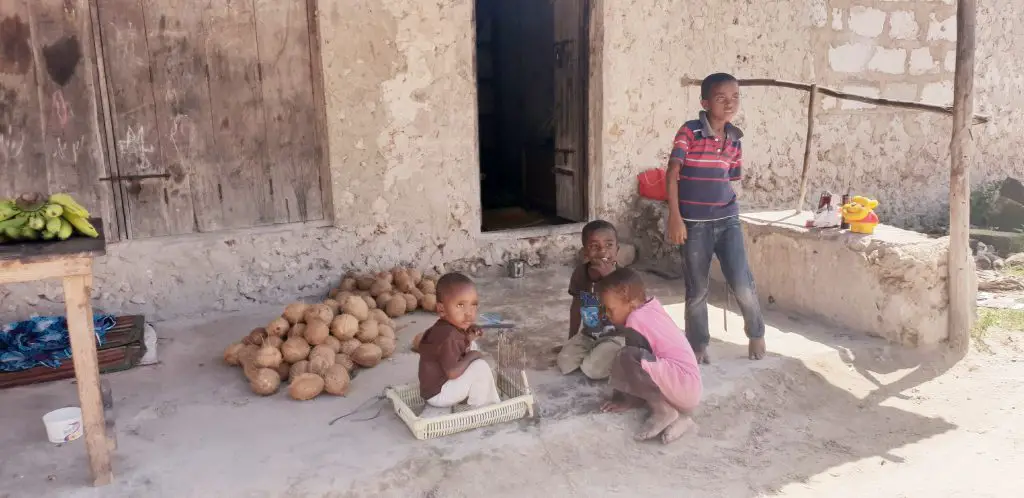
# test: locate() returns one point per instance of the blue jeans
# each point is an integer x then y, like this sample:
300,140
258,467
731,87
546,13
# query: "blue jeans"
722,238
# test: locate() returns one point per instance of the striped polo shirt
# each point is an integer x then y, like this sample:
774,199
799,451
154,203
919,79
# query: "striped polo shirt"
709,164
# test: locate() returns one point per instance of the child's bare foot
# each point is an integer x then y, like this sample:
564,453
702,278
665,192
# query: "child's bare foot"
616,407
661,417
702,357
756,350
676,429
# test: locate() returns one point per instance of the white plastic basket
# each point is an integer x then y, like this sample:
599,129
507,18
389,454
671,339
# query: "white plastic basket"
517,404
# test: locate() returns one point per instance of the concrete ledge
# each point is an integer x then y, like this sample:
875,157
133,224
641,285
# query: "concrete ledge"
891,284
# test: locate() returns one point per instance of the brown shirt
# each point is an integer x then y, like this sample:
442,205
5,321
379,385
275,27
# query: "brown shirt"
441,348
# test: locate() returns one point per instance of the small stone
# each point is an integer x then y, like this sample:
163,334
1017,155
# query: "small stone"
137,300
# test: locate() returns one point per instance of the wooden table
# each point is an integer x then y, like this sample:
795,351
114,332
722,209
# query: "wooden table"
71,261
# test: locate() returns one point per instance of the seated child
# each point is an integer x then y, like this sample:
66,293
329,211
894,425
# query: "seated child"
593,348
451,370
665,376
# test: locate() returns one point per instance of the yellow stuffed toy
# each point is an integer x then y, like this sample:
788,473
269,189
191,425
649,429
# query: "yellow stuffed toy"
860,214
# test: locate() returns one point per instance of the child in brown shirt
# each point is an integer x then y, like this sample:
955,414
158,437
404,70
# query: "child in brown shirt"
449,371
591,346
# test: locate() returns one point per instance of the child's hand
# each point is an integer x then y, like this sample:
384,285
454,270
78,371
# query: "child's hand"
474,332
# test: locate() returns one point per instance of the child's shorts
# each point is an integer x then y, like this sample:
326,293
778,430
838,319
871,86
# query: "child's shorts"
594,357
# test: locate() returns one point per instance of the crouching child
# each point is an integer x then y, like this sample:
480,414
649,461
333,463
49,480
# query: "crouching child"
451,370
658,368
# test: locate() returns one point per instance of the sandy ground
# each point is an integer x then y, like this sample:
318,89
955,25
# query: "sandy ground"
826,414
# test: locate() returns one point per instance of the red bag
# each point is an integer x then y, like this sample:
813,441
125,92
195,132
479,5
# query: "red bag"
652,184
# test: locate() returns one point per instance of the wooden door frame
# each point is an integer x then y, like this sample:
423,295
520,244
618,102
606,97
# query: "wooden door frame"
105,122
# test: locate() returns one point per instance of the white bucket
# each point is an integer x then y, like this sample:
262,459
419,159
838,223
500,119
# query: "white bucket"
63,425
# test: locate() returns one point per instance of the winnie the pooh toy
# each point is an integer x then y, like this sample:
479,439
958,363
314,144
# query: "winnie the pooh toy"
860,214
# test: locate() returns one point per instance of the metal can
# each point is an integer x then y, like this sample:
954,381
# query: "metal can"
843,225
516,268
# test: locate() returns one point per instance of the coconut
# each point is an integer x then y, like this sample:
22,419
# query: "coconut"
403,282
345,360
317,331
379,287
336,380
247,354
284,370
297,330
367,355
381,316
321,311
344,326
356,306
428,286
274,341
429,302
367,331
322,351
295,349
387,346
416,342
332,304
265,382
293,312
250,370
386,276
257,335
418,294
410,302
396,306
349,346
306,386
278,327
385,330
298,369
231,353
371,303
334,343
319,366
364,283
347,284
334,292
268,357
416,275
383,299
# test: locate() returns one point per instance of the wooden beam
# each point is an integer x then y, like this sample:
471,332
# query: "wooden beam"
77,291
961,266
13,271
811,105
831,92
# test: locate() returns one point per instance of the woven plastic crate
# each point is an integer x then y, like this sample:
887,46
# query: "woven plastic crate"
517,404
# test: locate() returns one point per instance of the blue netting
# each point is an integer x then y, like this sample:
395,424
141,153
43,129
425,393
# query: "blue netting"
42,341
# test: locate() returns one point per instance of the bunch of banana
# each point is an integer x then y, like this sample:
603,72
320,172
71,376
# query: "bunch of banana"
36,217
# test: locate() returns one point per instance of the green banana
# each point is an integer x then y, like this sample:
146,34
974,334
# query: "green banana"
52,211
36,221
12,233
53,225
69,204
17,222
65,229
48,235
82,225
8,210
29,233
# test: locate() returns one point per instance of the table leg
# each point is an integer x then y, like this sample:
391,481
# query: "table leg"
77,291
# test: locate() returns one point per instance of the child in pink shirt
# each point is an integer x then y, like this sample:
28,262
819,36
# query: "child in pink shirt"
657,366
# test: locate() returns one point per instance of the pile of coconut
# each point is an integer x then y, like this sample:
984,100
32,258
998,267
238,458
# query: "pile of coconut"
397,292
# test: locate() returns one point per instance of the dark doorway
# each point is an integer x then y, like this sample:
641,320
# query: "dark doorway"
531,77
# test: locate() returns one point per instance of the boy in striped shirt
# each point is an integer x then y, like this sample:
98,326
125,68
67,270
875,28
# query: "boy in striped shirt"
704,216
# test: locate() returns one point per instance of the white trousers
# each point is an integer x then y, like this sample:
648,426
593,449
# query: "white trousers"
475,385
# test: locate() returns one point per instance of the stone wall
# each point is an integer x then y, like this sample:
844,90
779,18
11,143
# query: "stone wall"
402,135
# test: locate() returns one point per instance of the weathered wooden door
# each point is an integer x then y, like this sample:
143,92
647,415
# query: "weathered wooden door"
50,137
570,108
211,106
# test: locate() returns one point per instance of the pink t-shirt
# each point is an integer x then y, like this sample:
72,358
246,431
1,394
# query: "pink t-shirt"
675,368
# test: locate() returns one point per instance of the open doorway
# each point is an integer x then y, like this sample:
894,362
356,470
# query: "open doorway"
532,78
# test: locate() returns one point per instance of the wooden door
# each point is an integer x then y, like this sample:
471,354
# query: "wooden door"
570,107
50,137
211,107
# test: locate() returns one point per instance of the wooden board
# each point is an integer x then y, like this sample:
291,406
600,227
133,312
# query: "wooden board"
284,57
570,107
50,140
153,206
76,246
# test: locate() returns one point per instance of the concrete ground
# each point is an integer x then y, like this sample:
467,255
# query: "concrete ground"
826,414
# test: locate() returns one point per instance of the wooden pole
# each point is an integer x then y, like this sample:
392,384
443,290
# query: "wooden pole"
961,266
811,105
